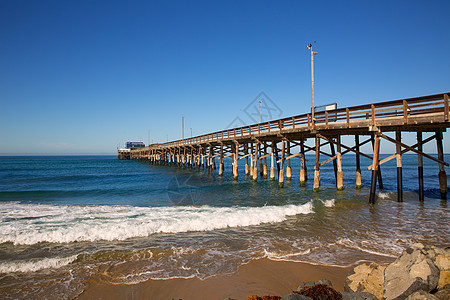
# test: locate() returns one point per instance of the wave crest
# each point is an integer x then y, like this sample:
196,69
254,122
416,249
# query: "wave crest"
31,224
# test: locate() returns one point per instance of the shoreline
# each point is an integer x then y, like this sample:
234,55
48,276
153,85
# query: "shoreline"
261,277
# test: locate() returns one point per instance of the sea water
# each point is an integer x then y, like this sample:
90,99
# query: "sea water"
67,220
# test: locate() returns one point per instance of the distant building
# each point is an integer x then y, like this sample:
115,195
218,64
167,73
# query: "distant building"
134,145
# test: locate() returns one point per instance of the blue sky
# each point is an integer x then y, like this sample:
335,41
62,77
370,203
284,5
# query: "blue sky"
80,77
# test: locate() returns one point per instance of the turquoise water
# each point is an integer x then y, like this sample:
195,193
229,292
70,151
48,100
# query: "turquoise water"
68,220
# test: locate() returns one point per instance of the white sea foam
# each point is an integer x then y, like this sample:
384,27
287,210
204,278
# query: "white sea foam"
352,244
31,224
329,203
383,195
35,264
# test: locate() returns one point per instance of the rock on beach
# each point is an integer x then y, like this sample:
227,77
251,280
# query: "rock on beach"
418,273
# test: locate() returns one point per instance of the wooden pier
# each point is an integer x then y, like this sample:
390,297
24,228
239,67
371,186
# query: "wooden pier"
273,142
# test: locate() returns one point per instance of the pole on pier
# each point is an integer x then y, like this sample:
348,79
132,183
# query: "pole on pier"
375,166
398,147
199,156
255,165
272,166
251,161
288,167
246,159
312,83
442,174
380,179
236,159
265,162
211,158
420,165
358,164
333,153
317,170
204,162
277,157
340,173
281,174
221,161
261,168
302,163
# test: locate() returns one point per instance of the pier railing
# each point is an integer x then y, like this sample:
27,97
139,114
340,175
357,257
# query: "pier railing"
404,108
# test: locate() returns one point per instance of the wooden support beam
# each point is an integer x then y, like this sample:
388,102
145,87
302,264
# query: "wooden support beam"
303,171
376,152
251,161
281,172
442,175
414,150
398,148
261,168
390,157
340,173
380,179
352,149
292,156
317,169
358,163
246,158
272,168
277,157
235,161
326,161
333,153
348,148
255,165
420,166
265,162
288,163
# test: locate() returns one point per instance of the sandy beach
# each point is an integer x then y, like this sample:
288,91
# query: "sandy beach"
261,277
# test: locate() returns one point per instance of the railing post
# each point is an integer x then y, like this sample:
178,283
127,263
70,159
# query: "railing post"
446,107
293,122
347,111
309,123
405,112
373,115
326,119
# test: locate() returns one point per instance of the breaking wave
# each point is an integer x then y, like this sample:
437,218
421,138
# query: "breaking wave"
30,224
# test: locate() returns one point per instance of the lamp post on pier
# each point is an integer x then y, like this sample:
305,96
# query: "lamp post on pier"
312,83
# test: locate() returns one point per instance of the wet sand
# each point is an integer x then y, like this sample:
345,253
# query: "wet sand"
261,277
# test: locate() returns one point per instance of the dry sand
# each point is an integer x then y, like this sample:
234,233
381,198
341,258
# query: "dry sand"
261,277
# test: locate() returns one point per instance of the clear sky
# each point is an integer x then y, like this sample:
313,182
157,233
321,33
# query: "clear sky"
80,77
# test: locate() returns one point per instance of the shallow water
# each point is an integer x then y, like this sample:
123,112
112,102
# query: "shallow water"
68,220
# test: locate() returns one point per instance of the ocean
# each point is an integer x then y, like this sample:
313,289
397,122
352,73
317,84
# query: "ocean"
68,220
